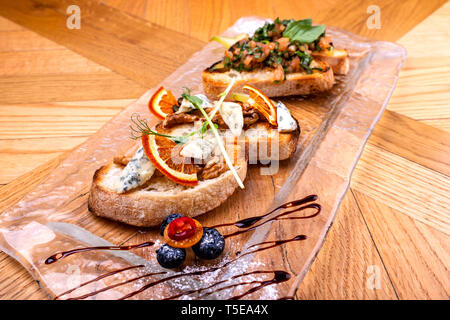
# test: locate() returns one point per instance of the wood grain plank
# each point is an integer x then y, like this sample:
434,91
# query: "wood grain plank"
25,40
347,257
145,53
16,282
420,93
26,53
388,187
405,186
414,141
61,62
221,14
171,14
86,108
14,276
23,155
135,7
352,15
60,125
208,18
15,190
66,87
7,25
442,123
423,89
318,281
416,255
25,146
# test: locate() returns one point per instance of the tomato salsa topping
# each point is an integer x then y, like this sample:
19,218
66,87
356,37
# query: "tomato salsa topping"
284,45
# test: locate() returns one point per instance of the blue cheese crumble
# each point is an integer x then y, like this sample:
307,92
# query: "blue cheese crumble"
232,114
198,148
137,172
286,122
187,106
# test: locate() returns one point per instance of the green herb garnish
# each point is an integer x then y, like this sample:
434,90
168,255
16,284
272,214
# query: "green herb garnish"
140,128
262,33
303,31
305,61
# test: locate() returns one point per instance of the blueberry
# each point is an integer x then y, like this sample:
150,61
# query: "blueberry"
168,220
170,257
211,244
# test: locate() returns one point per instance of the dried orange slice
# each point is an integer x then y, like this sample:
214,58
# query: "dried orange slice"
263,104
165,156
161,103
183,232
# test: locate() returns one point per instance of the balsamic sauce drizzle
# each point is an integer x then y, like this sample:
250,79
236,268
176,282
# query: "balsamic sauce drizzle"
247,224
102,276
93,293
61,255
212,269
280,276
184,293
179,275
273,244
279,217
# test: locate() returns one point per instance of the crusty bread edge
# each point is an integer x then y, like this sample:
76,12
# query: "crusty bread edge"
339,64
215,83
149,209
286,141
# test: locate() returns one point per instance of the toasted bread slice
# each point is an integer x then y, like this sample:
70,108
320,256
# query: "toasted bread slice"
337,59
149,204
263,143
215,83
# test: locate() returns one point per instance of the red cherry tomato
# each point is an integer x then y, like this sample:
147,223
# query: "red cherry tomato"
181,228
186,233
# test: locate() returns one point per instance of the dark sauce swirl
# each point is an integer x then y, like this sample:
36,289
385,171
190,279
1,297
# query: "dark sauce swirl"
247,224
62,255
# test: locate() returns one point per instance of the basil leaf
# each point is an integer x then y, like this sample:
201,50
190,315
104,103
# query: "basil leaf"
292,23
303,31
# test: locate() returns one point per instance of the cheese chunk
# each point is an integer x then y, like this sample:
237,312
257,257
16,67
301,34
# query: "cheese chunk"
137,172
286,122
187,106
198,148
231,113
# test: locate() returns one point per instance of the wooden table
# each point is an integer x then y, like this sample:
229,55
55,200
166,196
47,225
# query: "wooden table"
390,239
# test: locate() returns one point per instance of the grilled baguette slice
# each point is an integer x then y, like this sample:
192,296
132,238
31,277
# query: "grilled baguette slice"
300,83
337,59
149,204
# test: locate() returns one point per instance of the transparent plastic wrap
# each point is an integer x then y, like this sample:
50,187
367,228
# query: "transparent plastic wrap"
54,217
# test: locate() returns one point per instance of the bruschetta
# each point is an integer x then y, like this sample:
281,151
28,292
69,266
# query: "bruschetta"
194,158
286,57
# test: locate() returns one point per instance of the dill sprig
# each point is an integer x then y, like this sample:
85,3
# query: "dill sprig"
140,128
